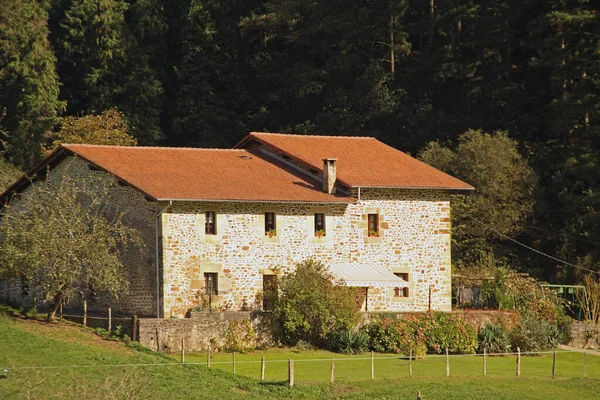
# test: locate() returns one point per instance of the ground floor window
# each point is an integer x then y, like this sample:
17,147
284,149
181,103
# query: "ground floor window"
211,283
269,291
401,292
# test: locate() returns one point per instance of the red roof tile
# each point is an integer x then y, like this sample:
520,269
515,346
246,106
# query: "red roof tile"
361,161
204,174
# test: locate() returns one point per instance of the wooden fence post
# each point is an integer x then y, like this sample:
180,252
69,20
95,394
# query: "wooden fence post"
233,352
182,350
291,372
554,364
518,361
262,369
585,364
447,363
84,312
208,356
372,365
419,397
134,327
410,362
484,361
109,319
157,341
332,377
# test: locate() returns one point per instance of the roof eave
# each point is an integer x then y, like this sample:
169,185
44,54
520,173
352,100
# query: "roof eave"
345,201
470,188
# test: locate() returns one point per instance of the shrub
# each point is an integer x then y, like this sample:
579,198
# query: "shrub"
348,341
443,330
309,306
240,336
532,333
431,333
494,338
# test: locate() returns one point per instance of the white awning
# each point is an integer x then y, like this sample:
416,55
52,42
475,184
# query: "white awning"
366,275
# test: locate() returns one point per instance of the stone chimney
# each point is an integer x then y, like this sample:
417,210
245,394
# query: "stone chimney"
329,175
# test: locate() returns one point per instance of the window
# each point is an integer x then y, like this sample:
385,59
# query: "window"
210,223
319,224
270,224
373,225
211,283
269,291
401,292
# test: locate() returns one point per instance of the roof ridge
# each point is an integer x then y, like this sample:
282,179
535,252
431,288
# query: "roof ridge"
318,136
106,146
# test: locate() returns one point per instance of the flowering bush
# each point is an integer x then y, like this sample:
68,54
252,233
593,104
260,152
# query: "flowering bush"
431,333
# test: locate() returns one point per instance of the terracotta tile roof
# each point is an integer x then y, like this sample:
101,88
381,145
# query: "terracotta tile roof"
361,161
204,174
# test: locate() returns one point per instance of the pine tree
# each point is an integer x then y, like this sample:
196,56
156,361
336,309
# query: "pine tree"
102,66
29,85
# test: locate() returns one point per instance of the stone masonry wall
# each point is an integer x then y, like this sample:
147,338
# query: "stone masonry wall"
414,238
165,335
141,268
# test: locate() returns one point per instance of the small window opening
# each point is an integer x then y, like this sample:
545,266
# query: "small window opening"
401,292
211,283
269,291
210,223
270,228
320,224
374,225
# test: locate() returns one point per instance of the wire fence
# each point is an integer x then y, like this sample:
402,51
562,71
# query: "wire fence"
549,364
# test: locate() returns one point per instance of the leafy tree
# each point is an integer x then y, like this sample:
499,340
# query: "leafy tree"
29,84
108,128
309,305
62,236
504,187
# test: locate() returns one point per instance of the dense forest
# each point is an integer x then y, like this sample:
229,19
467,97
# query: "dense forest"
204,73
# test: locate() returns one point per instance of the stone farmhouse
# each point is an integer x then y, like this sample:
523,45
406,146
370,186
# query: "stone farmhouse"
226,224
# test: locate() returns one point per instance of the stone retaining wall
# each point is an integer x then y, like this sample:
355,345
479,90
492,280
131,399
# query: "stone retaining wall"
165,335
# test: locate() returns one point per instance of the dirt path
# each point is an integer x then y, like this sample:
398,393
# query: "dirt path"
577,349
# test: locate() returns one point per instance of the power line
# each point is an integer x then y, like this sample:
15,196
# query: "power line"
533,249
562,234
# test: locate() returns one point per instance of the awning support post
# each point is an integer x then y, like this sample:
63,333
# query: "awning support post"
366,299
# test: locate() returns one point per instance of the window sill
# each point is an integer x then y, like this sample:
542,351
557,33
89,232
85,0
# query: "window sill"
373,240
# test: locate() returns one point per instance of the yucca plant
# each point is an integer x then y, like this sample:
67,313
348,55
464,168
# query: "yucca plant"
494,338
348,341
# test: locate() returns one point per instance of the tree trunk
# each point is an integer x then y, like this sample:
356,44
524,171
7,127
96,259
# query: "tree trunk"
392,53
58,298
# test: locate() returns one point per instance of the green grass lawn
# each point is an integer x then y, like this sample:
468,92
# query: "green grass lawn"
314,366
67,362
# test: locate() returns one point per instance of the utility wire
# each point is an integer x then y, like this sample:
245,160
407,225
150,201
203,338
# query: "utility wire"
561,234
531,248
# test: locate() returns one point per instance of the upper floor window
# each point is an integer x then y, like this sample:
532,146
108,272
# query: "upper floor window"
210,223
211,283
319,224
270,228
373,225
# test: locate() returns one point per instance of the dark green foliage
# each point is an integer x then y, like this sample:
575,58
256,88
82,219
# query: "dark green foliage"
348,341
494,339
29,84
101,65
309,306
503,199
533,333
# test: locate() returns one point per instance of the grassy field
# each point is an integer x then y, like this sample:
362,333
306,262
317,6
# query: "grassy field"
314,366
67,362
